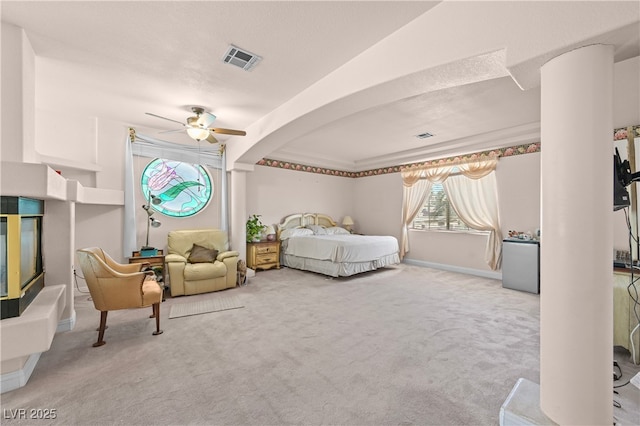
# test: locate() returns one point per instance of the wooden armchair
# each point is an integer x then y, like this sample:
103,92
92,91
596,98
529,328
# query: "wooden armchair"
116,286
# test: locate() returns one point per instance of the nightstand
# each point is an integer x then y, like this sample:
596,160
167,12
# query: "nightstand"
263,255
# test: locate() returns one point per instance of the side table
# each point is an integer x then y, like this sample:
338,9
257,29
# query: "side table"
157,263
263,255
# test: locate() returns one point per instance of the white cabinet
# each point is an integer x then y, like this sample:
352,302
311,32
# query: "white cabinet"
521,265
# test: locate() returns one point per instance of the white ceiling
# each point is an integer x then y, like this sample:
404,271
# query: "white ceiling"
123,59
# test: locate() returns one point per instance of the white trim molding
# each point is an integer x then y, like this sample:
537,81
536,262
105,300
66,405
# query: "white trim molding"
19,378
496,275
67,324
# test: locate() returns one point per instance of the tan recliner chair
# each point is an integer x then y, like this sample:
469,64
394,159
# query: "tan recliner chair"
116,286
187,278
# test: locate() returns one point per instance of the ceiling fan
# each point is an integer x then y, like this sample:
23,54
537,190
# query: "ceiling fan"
199,127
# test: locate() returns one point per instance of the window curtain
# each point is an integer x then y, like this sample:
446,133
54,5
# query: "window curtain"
129,243
414,191
474,197
416,187
224,208
147,146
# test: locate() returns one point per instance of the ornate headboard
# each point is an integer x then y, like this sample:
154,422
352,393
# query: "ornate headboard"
300,220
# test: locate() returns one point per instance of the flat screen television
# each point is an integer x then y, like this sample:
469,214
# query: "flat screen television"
622,177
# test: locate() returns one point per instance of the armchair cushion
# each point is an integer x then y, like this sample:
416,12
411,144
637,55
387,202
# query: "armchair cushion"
201,254
203,271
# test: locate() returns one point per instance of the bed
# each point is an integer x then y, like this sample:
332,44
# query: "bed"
314,242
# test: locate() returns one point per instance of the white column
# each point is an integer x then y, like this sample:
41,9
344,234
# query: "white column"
576,288
238,213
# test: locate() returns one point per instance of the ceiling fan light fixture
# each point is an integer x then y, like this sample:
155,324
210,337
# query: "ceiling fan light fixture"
198,133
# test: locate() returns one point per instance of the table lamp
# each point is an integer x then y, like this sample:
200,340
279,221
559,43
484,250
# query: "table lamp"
348,223
151,222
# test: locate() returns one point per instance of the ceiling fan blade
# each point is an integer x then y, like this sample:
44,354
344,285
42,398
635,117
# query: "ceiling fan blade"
228,131
165,118
211,139
206,119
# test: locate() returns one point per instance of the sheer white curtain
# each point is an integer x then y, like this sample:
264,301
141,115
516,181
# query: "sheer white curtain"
224,208
414,191
475,200
129,243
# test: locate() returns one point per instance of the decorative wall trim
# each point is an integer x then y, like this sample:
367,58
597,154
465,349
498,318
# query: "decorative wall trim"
623,132
501,152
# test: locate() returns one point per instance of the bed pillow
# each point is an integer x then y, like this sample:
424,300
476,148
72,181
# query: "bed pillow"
295,232
201,254
317,229
336,230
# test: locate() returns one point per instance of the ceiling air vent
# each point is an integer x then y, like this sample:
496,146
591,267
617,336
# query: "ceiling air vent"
241,58
424,135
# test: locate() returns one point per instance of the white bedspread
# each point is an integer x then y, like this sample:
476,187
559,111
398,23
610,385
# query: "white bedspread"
342,248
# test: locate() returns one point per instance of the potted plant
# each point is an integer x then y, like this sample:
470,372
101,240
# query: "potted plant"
254,228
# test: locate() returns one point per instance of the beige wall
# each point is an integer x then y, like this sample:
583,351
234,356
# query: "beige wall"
378,201
518,179
275,193
626,93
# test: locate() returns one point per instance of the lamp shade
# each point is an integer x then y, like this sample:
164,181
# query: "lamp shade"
347,221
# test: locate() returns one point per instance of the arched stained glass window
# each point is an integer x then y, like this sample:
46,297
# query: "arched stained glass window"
184,189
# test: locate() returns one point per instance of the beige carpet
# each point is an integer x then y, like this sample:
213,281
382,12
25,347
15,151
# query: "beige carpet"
400,346
215,304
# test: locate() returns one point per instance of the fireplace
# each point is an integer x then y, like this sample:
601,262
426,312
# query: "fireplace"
21,267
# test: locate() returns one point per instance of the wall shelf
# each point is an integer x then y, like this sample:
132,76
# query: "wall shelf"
41,182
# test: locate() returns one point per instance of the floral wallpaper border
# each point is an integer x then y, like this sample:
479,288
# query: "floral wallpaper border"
503,152
623,132
618,134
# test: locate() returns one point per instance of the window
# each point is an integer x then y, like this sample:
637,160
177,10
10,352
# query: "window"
183,189
437,213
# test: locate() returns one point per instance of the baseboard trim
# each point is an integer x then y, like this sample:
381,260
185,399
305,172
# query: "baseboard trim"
67,324
19,378
522,406
453,268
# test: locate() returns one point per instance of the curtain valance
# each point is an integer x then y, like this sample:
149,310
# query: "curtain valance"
438,173
147,146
